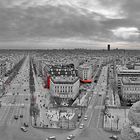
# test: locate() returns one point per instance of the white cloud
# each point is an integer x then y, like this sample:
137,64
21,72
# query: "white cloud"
113,11
126,32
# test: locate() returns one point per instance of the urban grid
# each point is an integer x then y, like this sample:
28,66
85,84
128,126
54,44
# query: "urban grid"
82,93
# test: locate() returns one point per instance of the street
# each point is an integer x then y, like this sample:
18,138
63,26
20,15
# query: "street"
93,127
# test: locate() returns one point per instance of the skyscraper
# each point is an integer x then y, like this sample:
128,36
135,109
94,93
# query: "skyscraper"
108,47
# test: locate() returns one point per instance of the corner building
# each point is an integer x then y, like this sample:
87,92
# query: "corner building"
64,89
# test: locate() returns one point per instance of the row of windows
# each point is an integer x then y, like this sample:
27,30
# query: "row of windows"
132,89
62,69
132,96
63,89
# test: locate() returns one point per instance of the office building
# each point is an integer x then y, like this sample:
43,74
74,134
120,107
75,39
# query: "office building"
2,67
58,70
124,72
108,47
85,72
130,89
64,88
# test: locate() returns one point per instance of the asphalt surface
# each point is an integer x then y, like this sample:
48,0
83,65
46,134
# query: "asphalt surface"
13,102
93,126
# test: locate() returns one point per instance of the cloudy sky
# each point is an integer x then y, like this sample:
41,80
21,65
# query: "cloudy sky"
85,23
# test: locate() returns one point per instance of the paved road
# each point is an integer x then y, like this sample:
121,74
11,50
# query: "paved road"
14,103
93,127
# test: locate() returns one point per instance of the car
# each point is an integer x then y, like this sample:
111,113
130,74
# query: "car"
68,138
15,117
22,105
23,129
71,136
85,118
21,116
81,126
51,138
114,137
26,99
26,124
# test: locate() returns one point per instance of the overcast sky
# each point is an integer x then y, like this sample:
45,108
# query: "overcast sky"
91,23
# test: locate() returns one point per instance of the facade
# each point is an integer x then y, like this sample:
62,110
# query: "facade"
123,72
137,66
85,72
130,89
63,89
57,71
2,67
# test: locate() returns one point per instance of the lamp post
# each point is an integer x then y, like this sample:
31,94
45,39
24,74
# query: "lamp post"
68,120
111,123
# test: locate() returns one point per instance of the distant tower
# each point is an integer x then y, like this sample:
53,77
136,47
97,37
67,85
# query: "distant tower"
108,47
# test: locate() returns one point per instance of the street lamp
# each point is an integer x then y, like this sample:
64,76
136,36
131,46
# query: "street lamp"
68,120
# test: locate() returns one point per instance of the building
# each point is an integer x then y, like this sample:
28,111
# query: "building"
124,72
130,89
58,70
64,88
108,47
137,66
85,72
2,67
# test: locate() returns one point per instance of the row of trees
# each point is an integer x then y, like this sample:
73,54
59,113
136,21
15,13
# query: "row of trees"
14,71
34,109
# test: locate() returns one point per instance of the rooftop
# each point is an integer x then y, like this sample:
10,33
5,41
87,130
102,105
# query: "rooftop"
85,65
131,81
64,79
123,69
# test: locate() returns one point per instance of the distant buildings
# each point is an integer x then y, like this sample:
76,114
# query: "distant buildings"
2,67
85,72
108,47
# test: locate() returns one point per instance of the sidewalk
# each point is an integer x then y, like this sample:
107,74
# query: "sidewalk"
116,120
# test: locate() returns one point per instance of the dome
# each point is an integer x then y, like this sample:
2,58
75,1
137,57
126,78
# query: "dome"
134,113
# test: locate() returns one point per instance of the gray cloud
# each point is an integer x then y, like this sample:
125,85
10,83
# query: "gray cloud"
96,20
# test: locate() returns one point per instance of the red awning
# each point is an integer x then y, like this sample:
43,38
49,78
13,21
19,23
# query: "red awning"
86,81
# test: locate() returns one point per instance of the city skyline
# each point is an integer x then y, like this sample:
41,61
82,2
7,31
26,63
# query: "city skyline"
90,24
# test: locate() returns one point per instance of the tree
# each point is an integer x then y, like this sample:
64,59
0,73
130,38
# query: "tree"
118,118
35,112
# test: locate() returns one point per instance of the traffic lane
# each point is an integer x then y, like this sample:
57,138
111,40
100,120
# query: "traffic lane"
14,133
93,134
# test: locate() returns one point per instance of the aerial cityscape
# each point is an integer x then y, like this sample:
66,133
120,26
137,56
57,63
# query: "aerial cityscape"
69,94
69,70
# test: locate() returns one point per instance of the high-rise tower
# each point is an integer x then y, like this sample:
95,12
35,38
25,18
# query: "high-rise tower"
108,47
